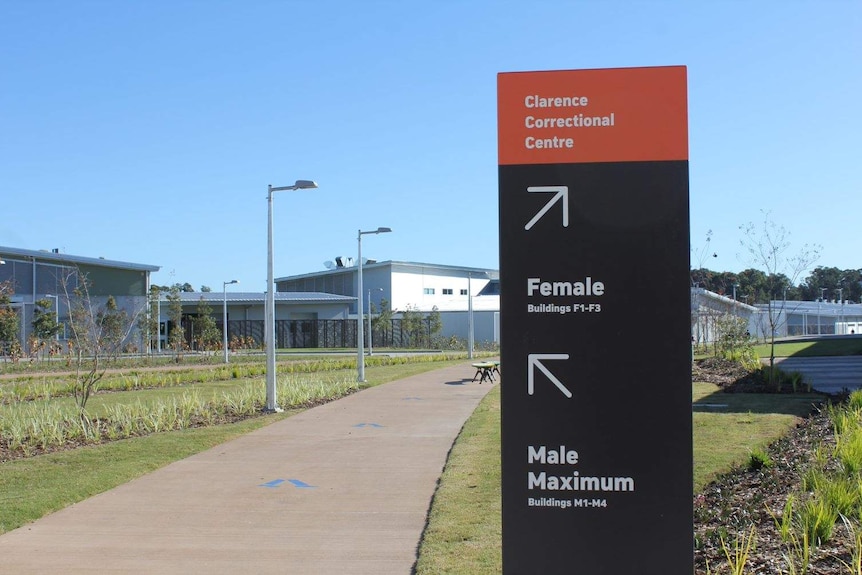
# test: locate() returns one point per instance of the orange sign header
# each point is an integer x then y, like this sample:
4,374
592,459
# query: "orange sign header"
579,116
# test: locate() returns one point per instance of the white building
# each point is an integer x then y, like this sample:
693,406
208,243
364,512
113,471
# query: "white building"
707,308
415,286
788,318
802,318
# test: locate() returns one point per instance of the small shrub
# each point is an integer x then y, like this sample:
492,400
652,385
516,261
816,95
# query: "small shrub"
759,459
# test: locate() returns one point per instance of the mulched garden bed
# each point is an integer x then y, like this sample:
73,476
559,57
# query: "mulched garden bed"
737,501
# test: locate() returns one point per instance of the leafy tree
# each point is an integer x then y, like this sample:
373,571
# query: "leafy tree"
44,322
206,289
206,334
45,326
702,278
9,320
412,324
844,284
114,324
752,286
435,323
176,337
183,287
851,282
723,282
382,322
734,341
767,245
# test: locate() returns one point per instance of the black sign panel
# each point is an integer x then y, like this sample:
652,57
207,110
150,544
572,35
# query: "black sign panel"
596,407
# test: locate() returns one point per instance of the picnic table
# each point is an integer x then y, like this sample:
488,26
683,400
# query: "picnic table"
485,370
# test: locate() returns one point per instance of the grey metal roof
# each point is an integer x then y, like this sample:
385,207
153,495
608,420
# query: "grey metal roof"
260,297
391,263
491,288
705,293
46,256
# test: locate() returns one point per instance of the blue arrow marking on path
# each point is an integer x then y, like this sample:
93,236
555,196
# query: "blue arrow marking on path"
367,425
300,484
273,483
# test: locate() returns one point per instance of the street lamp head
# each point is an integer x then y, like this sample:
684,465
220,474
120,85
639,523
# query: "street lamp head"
231,282
298,185
380,230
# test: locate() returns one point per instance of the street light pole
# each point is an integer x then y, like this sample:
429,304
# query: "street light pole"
159,323
841,311
360,344
269,323
224,317
470,342
819,302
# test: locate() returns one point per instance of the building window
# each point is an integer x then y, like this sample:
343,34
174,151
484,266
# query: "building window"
428,291
447,291
463,292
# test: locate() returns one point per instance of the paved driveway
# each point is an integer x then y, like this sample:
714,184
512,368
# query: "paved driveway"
827,374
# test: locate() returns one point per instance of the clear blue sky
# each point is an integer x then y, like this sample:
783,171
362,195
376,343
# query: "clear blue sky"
148,131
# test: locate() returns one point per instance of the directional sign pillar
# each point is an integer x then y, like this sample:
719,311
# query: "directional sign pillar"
594,278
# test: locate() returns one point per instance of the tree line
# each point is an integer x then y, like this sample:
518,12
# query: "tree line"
755,286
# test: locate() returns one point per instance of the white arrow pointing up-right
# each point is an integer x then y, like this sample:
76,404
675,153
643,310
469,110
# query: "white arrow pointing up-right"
533,362
561,192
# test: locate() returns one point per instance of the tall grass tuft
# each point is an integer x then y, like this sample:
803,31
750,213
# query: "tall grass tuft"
817,518
738,552
855,565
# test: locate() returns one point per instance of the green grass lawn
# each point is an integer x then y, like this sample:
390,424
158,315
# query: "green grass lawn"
729,426
813,348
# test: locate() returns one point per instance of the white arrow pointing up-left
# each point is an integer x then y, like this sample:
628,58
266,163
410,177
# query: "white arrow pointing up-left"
533,362
561,192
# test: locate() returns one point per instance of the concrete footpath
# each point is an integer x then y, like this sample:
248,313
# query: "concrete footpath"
343,488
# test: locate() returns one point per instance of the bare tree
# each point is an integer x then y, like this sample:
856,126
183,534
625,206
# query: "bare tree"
767,245
96,335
